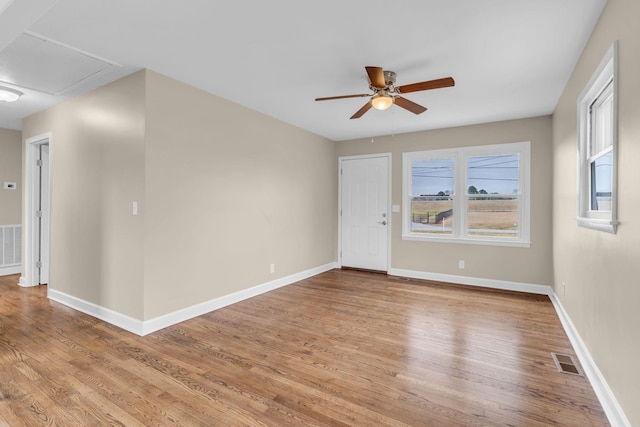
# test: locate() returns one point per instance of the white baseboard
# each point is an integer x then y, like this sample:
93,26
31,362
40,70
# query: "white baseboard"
23,282
472,281
609,403
607,399
14,269
118,319
166,320
142,328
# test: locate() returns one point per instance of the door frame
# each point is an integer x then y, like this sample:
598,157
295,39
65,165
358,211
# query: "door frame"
30,236
341,159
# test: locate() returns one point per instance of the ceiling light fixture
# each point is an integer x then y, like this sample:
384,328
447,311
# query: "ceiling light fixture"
9,95
381,101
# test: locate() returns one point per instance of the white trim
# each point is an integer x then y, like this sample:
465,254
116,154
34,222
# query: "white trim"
460,196
607,71
465,241
14,269
170,319
113,317
473,281
388,156
607,399
142,328
30,190
606,225
605,395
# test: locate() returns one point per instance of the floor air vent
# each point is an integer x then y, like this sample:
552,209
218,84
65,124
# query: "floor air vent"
566,364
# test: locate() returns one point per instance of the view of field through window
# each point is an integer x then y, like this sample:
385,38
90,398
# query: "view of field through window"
491,200
432,187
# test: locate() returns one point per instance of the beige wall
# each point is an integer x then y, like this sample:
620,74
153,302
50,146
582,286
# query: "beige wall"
526,265
223,192
600,270
97,171
229,191
10,170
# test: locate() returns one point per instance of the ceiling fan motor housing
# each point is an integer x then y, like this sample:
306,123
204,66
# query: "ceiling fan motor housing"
389,78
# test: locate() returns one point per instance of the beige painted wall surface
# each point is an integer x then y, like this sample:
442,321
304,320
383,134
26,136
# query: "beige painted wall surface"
601,270
11,171
525,265
97,167
229,192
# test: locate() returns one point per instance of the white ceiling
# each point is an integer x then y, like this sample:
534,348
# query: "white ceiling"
509,58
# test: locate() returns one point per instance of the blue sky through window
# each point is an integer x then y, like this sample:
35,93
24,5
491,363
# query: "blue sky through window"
493,174
428,177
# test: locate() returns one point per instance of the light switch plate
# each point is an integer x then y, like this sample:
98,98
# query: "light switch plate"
395,208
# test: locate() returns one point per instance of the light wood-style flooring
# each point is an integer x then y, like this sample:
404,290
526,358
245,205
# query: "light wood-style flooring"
343,348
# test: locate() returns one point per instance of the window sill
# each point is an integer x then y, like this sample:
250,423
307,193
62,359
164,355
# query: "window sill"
467,241
606,225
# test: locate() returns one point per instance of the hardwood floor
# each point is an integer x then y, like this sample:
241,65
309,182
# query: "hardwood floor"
342,348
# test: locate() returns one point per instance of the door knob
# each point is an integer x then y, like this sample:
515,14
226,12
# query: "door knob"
383,222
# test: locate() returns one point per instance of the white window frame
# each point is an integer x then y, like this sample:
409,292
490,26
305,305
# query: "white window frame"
460,196
605,74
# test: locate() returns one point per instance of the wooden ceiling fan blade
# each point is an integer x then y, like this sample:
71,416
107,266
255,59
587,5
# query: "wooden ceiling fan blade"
430,84
328,98
366,107
376,77
409,105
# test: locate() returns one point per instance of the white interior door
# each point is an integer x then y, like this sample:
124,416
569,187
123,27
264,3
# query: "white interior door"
36,220
364,213
44,214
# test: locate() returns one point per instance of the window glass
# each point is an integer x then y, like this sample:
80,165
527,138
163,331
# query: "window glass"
597,123
600,171
432,190
475,194
493,215
601,183
493,195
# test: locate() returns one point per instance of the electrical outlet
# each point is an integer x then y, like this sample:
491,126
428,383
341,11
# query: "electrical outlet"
564,289
461,264
272,268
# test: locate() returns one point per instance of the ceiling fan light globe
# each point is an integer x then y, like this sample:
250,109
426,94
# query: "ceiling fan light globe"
381,102
9,95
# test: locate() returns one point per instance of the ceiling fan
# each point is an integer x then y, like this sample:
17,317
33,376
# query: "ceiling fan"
385,92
